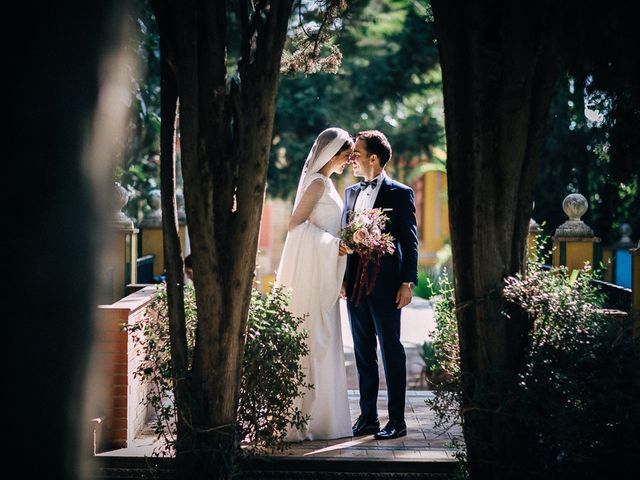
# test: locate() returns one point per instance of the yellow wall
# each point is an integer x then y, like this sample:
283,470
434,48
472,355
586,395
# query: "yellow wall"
120,257
152,244
578,252
435,216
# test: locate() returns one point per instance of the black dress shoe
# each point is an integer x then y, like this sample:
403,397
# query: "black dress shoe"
365,426
391,430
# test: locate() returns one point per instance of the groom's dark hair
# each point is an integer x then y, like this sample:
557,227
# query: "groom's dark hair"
377,144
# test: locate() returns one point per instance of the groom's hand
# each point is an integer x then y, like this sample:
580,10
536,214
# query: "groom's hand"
403,297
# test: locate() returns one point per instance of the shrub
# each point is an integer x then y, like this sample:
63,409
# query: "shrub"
578,392
271,373
429,284
445,367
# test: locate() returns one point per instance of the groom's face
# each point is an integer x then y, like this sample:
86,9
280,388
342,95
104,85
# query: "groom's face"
360,159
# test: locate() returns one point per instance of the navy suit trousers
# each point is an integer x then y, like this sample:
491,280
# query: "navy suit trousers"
378,318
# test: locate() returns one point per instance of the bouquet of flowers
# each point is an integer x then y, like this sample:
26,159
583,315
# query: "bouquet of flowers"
364,236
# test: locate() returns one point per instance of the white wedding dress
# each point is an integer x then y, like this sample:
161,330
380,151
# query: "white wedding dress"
311,267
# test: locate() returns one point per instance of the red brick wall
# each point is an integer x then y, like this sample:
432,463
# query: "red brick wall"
119,397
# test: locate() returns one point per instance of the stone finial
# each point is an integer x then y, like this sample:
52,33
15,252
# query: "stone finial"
534,227
153,218
155,203
118,218
625,233
625,241
182,216
574,206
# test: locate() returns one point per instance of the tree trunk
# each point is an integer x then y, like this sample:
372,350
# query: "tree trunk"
225,140
171,240
498,75
58,188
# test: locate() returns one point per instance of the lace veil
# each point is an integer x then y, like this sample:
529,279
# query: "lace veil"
327,144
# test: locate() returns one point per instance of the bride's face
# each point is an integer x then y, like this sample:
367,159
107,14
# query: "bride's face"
341,160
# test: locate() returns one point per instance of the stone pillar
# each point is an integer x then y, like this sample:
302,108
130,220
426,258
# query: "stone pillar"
608,262
122,249
152,242
574,242
532,238
635,287
621,271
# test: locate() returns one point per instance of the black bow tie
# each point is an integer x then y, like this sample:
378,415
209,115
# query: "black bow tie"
372,183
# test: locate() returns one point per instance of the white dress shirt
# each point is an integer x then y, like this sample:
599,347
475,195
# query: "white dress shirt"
367,196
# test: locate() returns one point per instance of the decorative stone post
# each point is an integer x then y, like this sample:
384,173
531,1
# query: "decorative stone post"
122,250
635,287
532,238
151,230
621,271
617,260
574,242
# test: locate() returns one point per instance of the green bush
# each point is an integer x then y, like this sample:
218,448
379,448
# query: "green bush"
578,392
271,373
429,284
444,374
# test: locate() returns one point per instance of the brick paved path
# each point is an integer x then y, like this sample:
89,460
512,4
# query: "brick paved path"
421,442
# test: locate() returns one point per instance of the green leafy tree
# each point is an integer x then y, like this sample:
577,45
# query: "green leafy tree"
593,146
139,167
384,82
577,158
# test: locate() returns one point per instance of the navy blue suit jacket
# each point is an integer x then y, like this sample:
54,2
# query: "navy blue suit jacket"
402,266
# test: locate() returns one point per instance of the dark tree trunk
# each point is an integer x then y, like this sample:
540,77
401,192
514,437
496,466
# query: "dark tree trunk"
58,187
498,73
171,240
225,140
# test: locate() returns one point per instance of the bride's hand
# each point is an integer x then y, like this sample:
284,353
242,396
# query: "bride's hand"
343,249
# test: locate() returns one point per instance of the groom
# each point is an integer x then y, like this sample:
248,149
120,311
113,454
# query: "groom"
378,314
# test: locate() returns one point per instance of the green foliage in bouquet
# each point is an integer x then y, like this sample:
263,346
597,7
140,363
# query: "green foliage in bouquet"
271,373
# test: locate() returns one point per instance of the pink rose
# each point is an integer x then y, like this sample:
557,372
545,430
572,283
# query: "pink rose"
360,235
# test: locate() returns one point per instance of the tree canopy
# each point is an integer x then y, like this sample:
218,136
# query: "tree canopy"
389,80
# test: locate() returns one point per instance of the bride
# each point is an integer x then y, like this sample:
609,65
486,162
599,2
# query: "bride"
312,264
